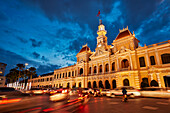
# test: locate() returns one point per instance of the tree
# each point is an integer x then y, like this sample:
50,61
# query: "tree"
12,75
20,67
32,72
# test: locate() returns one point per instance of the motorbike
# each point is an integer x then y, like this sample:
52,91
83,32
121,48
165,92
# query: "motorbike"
125,98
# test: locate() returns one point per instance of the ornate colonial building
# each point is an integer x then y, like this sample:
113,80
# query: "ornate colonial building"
2,71
124,63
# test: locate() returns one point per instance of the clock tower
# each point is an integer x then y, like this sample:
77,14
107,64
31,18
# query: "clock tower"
101,39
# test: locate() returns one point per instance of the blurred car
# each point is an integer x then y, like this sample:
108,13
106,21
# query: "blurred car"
88,90
45,90
131,92
155,92
103,92
60,94
10,95
9,91
97,92
35,91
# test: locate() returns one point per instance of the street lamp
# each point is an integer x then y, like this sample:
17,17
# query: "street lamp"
26,64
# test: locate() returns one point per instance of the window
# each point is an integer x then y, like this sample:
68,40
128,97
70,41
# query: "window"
106,67
50,78
63,75
113,66
57,76
66,74
165,58
142,62
72,73
100,69
47,79
81,71
125,63
60,75
69,74
54,76
94,69
90,70
152,59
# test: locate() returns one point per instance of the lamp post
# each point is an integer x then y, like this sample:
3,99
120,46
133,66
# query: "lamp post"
25,73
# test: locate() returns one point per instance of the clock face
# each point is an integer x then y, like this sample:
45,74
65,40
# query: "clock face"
99,45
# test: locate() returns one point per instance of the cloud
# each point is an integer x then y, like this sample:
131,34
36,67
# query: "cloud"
35,43
44,59
42,69
36,55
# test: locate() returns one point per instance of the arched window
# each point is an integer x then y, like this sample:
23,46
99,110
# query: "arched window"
79,84
154,83
57,76
90,70
81,71
113,66
60,75
106,67
100,84
107,84
94,84
144,83
126,82
68,85
165,58
125,63
100,68
89,84
94,69
114,84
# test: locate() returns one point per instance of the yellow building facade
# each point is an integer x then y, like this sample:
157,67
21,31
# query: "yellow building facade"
124,63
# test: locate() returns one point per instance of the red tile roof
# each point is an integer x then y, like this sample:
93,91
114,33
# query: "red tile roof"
123,34
84,49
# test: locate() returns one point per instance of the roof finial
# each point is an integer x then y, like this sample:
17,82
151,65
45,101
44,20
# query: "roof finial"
133,33
100,21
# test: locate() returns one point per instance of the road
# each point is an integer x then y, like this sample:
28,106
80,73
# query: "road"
38,104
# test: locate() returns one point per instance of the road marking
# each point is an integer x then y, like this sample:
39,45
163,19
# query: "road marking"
162,103
150,107
113,102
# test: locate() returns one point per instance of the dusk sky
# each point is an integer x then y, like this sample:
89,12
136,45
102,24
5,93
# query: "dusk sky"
47,34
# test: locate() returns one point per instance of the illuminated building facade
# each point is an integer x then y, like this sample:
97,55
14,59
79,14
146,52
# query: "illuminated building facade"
124,63
2,71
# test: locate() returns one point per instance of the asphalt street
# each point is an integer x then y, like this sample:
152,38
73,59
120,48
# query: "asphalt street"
41,103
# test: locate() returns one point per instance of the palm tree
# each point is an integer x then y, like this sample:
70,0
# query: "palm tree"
20,67
32,71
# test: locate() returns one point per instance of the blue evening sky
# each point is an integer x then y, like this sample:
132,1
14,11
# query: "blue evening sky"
47,34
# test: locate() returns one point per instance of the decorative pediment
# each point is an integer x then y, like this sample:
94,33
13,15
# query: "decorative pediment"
99,52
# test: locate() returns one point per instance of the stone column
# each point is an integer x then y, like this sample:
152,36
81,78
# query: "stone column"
157,57
147,58
109,66
103,67
131,65
117,64
159,81
97,68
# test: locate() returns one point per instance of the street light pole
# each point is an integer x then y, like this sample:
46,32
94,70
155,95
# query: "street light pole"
25,73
